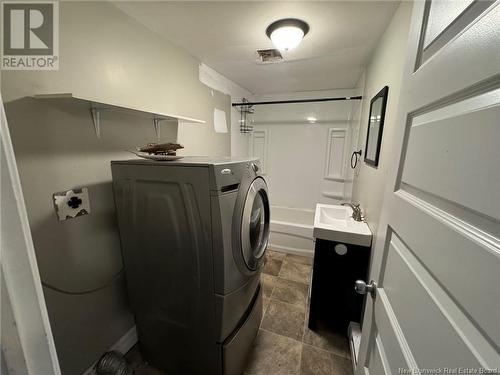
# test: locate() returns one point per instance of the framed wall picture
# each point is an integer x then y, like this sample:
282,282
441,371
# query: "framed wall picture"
375,127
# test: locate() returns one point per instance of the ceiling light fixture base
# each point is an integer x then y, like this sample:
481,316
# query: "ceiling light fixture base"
287,33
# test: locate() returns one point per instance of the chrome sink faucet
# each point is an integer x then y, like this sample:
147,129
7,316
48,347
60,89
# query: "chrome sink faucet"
356,211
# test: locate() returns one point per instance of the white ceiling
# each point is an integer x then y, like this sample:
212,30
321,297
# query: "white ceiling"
225,35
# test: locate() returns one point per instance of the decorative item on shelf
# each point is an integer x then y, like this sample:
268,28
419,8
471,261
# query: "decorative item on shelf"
161,152
246,120
356,155
161,149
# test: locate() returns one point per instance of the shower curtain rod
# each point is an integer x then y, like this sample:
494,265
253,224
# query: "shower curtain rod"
243,104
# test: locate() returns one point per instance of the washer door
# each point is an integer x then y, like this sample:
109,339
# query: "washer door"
255,224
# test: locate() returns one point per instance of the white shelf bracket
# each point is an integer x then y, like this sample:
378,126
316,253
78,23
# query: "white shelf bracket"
156,123
96,119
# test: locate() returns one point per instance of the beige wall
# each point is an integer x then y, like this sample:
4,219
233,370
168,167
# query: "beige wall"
213,79
110,57
385,69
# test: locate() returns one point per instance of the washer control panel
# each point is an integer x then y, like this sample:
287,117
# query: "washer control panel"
230,174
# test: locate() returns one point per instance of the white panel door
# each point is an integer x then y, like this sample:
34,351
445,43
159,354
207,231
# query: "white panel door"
436,259
26,338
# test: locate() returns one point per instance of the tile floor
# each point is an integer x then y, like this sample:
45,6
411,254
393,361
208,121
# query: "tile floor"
284,344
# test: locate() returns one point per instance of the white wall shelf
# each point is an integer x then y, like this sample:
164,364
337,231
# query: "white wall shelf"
96,107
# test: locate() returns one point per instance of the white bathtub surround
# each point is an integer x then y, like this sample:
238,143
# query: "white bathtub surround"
292,231
306,162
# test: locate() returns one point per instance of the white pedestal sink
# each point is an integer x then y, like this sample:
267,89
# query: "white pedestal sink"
335,223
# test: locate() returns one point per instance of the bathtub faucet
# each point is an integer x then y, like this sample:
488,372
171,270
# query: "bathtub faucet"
356,210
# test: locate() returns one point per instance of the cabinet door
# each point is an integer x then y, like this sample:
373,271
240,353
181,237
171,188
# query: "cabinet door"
337,266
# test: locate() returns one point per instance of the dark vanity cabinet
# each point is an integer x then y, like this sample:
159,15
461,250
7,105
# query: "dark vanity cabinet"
334,303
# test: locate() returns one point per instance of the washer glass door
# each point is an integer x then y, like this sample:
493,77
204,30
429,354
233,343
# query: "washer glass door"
255,223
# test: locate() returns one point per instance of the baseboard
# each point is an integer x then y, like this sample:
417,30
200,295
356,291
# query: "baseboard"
291,250
126,342
123,345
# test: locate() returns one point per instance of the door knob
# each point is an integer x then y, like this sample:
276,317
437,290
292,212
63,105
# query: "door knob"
361,288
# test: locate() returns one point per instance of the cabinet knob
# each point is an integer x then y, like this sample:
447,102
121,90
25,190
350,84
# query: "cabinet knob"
362,288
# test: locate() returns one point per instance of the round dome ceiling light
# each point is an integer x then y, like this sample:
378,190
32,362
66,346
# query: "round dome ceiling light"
287,33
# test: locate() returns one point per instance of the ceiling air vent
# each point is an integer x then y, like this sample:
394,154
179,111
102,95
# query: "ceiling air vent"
267,56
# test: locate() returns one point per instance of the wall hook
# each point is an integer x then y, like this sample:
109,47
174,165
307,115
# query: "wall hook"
356,155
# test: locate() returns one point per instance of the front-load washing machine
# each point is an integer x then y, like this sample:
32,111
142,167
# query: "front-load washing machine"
194,233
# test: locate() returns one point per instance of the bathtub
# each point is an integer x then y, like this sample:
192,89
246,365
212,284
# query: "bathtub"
291,230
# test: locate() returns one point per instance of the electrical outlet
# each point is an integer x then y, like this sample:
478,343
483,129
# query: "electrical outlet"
72,203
